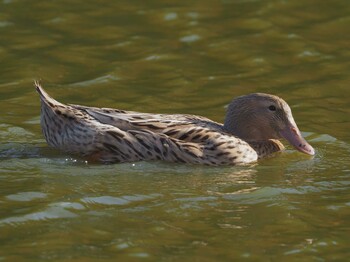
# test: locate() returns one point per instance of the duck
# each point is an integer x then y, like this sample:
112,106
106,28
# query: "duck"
252,129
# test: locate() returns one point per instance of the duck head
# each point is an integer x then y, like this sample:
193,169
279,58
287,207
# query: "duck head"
260,117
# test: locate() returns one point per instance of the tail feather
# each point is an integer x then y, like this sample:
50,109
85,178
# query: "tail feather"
45,97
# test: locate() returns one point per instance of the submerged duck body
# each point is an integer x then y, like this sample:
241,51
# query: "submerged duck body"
253,126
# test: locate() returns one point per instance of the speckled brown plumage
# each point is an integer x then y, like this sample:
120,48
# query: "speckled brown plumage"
112,135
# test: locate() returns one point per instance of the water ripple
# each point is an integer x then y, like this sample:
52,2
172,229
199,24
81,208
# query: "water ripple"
54,211
26,196
95,81
118,201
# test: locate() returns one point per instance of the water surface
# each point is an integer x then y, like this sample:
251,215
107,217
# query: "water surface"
175,57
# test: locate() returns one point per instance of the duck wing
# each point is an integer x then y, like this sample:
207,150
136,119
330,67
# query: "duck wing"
174,125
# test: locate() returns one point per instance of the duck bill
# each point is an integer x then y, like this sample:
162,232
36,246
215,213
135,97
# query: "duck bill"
294,137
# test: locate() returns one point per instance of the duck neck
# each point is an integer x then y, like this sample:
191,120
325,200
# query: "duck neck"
267,147
242,128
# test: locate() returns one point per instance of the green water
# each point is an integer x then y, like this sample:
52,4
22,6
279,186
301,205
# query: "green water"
175,57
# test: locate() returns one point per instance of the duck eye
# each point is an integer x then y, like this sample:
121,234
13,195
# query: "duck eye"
272,108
